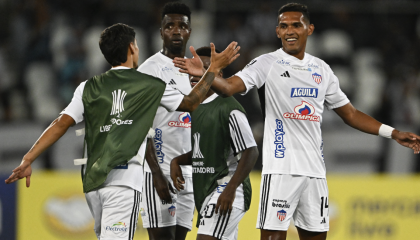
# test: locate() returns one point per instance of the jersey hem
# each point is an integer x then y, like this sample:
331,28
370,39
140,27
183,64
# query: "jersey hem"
339,104
312,229
72,116
300,174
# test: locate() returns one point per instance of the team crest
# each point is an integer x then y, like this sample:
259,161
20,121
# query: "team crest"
317,78
172,210
281,215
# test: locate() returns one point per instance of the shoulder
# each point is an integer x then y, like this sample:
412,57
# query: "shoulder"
316,63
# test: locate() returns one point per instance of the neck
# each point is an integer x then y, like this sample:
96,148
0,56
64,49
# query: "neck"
172,55
209,93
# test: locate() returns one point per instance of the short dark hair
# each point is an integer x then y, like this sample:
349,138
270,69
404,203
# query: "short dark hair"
176,8
295,7
205,51
114,43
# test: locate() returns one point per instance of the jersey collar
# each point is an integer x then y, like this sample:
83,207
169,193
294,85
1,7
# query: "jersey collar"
211,98
119,68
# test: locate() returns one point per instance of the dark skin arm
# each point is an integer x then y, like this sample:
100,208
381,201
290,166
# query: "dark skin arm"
54,132
223,87
246,163
160,182
365,123
218,61
176,172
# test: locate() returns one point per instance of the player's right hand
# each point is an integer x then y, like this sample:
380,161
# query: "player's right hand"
24,170
221,60
163,186
176,175
192,66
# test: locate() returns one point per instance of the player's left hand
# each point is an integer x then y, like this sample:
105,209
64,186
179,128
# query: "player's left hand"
23,171
407,139
225,201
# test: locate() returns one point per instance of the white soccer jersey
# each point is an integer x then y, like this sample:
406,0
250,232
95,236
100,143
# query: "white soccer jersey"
241,139
173,129
295,94
122,175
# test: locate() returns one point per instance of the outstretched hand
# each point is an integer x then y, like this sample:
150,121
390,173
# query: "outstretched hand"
23,171
192,66
408,139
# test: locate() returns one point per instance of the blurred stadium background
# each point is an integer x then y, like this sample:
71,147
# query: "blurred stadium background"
48,47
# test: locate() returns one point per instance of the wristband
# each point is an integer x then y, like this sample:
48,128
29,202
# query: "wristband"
385,131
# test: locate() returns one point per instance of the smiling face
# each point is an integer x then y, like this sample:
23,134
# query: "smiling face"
293,30
175,32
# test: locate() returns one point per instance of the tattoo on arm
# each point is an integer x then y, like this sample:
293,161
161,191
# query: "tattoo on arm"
198,93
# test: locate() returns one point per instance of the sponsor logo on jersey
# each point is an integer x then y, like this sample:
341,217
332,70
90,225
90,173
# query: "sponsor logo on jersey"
158,145
118,97
166,69
304,92
302,69
280,203
311,65
281,215
172,210
198,167
117,227
184,120
304,111
122,166
285,74
317,78
282,62
279,140
221,187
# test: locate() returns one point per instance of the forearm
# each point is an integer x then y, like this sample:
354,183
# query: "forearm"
229,86
198,93
54,132
184,159
151,157
245,166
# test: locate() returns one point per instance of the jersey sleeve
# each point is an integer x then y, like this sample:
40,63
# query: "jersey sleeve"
334,97
171,98
255,73
240,132
75,109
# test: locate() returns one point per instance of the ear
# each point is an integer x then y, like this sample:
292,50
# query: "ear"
311,29
132,48
278,31
161,33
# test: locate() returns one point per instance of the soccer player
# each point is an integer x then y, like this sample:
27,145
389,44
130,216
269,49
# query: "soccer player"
163,219
295,87
224,152
118,108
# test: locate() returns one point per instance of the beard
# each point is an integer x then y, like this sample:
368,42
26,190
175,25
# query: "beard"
177,49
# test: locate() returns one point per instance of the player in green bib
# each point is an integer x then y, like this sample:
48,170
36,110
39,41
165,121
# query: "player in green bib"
224,152
118,108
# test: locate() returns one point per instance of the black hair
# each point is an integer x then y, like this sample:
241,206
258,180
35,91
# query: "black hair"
176,8
205,51
295,7
114,43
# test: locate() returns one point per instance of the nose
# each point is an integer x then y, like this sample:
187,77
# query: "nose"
177,30
289,30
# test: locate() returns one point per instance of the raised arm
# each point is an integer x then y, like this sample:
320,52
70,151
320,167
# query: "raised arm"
223,87
160,182
218,62
365,123
54,132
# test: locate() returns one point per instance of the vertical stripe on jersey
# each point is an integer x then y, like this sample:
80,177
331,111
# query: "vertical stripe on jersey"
264,199
239,142
149,192
224,229
154,201
219,230
134,215
261,95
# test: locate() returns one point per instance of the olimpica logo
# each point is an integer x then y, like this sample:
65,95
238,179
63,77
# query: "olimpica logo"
118,102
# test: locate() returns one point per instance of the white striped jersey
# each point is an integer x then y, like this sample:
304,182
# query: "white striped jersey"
293,94
173,129
241,138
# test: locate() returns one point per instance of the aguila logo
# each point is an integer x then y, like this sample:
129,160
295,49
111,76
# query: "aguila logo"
184,120
304,111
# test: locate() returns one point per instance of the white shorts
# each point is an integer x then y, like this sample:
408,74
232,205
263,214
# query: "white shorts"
285,196
115,210
218,226
155,214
